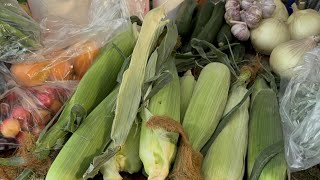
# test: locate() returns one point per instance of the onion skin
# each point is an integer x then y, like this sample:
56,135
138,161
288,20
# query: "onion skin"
285,57
270,33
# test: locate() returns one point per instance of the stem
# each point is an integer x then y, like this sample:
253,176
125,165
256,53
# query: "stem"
295,7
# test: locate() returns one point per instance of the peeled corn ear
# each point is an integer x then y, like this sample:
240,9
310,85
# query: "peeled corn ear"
127,159
207,104
226,156
264,130
157,146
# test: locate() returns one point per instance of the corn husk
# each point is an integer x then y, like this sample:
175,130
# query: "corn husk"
264,130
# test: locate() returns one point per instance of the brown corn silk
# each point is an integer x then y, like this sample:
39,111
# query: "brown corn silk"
188,161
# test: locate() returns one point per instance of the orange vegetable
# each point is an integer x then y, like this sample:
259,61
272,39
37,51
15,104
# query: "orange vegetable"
10,128
61,71
30,74
82,62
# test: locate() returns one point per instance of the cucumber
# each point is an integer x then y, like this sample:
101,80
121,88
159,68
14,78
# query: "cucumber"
202,18
211,29
184,17
224,35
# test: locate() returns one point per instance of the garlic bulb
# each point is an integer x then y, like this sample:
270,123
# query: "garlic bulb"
232,4
285,57
243,15
240,31
270,33
281,11
232,15
303,23
268,7
246,4
253,16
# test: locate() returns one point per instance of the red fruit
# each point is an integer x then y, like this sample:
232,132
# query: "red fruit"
11,97
23,116
10,128
18,112
45,99
49,90
42,117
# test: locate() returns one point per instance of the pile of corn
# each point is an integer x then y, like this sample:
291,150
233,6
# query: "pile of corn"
108,114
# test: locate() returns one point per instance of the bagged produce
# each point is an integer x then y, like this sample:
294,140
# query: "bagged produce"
61,29
29,109
63,65
299,108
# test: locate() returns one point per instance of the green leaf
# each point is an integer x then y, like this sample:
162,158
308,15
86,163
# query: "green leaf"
123,68
26,173
167,45
150,73
78,113
224,121
221,57
160,82
99,161
130,93
264,157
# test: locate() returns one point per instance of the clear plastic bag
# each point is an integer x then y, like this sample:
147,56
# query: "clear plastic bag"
29,109
60,65
62,31
300,113
19,33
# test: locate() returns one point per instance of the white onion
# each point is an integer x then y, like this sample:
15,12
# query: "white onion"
303,23
285,57
270,33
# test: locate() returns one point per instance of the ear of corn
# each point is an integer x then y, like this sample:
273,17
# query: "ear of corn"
187,83
96,84
265,130
127,159
157,146
88,141
130,93
207,104
226,156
